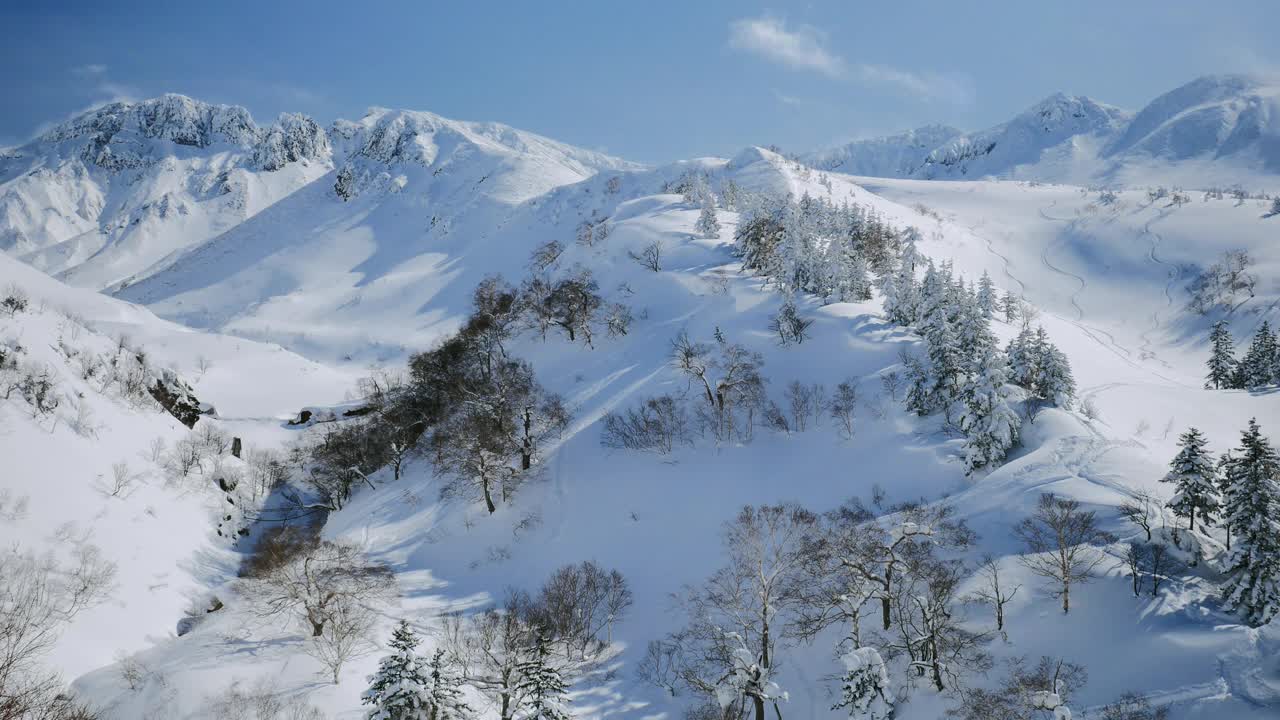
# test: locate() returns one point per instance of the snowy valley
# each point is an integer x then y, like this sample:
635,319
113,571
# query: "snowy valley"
878,431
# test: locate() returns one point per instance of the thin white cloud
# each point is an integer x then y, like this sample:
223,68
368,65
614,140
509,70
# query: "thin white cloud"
801,48
90,70
956,89
804,48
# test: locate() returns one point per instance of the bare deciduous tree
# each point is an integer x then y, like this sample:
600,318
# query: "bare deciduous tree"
844,406
317,581
657,425
994,591
1060,540
37,598
346,636
1143,510
579,602
650,256
491,646
743,611
729,381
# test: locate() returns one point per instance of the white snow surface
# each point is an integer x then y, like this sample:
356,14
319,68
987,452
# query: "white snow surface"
293,293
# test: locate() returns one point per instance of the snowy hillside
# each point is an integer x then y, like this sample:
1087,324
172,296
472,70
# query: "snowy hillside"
1216,130
463,360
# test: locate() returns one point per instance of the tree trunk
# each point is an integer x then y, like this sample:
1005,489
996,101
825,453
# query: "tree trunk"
317,628
1066,597
1193,518
759,704
999,616
935,665
526,453
488,498
235,447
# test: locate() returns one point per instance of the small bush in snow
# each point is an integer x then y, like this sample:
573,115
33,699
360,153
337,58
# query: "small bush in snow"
658,425
1132,706
15,301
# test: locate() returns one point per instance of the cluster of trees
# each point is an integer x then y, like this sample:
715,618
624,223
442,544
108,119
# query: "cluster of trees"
1223,283
1259,368
888,583
1240,491
727,399
475,410
811,245
965,375
519,656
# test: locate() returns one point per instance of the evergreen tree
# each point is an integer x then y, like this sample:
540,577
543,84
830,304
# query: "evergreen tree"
1258,368
990,425
542,684
1222,358
1253,585
398,690
444,693
864,687
987,296
1010,307
708,224
946,364
1055,383
1022,359
902,292
1195,475
1226,490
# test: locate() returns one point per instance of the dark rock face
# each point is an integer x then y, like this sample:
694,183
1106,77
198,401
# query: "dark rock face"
177,398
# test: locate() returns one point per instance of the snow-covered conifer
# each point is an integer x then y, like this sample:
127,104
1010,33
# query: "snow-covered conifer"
541,682
398,690
708,224
1253,515
1195,474
990,425
1056,384
1010,306
864,686
1222,358
1258,367
987,295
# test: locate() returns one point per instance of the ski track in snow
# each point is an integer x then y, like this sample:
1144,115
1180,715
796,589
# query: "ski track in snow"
1044,258
1171,273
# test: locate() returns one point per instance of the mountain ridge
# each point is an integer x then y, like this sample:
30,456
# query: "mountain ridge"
1230,120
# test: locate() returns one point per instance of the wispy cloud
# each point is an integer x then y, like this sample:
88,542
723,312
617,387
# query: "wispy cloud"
90,70
98,84
803,47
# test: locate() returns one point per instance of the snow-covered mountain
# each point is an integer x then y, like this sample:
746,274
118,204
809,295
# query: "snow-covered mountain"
116,194
364,242
891,156
1221,129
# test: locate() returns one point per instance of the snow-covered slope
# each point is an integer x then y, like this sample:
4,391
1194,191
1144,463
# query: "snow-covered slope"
1215,130
111,193
87,470
378,256
657,519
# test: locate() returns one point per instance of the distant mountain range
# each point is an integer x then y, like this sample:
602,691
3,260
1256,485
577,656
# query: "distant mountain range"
1216,129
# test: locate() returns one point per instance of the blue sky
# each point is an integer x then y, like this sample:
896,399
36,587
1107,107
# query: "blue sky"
650,81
